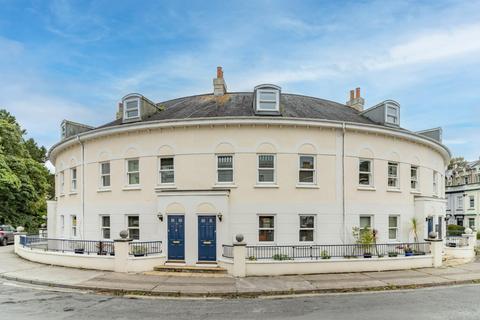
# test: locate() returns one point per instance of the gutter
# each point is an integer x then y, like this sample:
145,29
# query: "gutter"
83,185
344,212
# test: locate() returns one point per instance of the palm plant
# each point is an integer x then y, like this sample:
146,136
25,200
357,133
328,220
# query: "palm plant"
414,229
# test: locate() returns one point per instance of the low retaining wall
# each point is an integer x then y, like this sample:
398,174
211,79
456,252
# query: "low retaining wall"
67,259
276,268
95,262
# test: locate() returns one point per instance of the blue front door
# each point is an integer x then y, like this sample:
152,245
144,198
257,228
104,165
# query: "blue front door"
176,237
207,238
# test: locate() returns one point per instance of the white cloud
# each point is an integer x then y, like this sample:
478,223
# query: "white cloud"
430,46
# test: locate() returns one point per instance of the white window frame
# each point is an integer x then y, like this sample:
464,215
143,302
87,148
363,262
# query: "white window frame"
313,229
274,168
370,173
160,170
395,177
365,216
396,115
269,228
277,99
61,177
471,202
468,223
397,228
435,183
102,227
459,202
130,228
225,169
414,179
125,113
73,179
102,175
128,173
314,170
62,225
74,226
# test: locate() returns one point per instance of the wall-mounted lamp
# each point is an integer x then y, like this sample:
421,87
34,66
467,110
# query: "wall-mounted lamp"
220,216
160,217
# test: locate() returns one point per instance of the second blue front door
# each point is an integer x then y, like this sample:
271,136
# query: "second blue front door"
207,238
176,237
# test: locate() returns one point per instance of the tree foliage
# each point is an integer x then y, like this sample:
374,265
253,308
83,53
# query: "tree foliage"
24,179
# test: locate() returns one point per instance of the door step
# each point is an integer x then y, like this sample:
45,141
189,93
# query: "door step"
193,269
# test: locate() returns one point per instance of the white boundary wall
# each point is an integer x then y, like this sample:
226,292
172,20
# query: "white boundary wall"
95,262
275,268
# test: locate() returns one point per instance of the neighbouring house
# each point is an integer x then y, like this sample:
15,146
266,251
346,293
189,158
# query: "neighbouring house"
462,193
278,168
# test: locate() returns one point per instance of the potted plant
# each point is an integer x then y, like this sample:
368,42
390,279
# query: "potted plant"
325,255
79,249
392,254
139,250
252,258
408,251
281,257
365,237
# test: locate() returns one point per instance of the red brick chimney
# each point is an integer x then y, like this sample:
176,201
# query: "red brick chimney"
356,101
219,85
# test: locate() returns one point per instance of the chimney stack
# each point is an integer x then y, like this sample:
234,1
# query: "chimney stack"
219,85
356,101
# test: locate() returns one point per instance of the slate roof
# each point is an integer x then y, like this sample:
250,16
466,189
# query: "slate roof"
240,104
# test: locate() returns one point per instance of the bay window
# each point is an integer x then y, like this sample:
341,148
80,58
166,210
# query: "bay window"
365,171
133,172
393,175
167,170
307,228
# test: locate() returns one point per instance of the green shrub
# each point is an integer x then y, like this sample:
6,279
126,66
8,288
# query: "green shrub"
325,255
455,230
478,235
279,256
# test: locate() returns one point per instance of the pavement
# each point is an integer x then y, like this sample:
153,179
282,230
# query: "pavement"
170,284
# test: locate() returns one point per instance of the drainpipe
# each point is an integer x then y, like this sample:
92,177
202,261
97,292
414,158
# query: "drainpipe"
343,185
82,234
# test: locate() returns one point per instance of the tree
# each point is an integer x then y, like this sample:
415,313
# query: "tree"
23,176
457,164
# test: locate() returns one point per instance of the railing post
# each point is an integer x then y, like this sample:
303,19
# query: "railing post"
121,248
16,245
436,248
239,257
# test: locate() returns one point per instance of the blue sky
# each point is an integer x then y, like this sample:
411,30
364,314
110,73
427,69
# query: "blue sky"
75,59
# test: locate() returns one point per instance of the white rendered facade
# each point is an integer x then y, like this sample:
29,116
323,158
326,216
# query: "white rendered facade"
335,199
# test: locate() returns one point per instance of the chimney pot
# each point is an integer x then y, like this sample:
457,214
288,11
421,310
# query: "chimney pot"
219,85
356,101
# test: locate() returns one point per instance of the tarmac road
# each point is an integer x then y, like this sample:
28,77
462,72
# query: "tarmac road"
23,301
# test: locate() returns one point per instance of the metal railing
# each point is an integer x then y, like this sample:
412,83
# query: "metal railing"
145,248
287,252
456,241
227,251
68,245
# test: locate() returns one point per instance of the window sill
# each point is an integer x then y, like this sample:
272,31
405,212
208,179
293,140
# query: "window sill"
72,193
307,186
61,195
224,185
131,188
366,188
165,186
394,190
104,190
267,186
415,192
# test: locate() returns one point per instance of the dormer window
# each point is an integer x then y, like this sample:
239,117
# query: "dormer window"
131,108
267,99
392,115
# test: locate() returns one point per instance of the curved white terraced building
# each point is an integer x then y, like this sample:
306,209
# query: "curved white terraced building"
278,168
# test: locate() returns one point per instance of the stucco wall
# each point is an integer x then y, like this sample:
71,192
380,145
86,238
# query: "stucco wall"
194,148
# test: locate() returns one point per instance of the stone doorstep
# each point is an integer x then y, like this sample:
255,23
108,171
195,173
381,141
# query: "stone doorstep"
199,268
